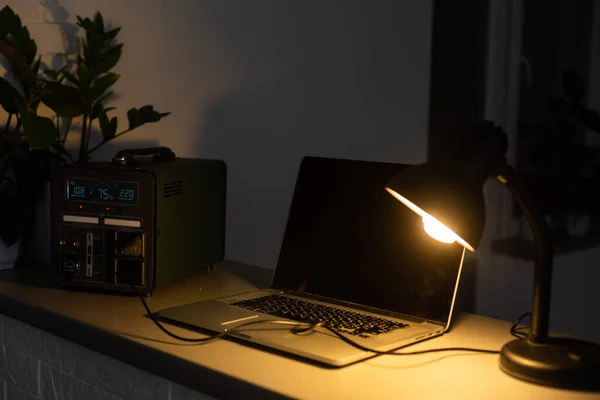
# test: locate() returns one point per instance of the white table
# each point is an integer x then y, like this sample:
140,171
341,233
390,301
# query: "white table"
226,368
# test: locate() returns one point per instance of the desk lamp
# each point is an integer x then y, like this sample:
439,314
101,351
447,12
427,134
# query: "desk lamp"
448,195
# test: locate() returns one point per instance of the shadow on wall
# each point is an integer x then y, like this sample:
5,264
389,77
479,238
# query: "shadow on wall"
321,81
69,35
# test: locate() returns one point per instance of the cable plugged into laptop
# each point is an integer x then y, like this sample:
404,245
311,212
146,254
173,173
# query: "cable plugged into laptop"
297,327
303,328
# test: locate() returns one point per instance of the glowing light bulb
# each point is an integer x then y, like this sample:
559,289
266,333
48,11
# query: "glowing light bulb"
437,230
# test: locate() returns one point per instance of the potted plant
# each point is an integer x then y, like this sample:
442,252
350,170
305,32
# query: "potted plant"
21,169
82,91
77,91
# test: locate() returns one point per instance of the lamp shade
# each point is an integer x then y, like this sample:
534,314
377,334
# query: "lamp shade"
431,191
450,190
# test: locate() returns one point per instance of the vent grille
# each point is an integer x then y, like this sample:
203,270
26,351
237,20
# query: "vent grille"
172,188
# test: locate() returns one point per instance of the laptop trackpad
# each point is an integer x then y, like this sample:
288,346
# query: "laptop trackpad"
212,315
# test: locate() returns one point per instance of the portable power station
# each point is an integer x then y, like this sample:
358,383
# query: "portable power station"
144,219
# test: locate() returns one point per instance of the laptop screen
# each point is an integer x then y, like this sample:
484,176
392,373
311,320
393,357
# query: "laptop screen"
348,239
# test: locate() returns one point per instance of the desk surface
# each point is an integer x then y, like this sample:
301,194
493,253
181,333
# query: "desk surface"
116,326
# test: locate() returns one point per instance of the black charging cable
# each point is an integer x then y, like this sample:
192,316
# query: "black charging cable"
302,328
297,326
516,330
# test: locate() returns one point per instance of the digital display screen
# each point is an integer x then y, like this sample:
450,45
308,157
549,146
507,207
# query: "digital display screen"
114,192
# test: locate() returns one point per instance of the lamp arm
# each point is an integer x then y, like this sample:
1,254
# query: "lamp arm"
540,311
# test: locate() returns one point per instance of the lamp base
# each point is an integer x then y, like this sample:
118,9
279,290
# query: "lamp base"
560,362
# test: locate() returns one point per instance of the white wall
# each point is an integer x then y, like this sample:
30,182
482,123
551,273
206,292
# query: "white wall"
262,83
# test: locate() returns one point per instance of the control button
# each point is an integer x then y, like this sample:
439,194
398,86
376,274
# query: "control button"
76,243
81,206
122,222
71,267
80,219
62,242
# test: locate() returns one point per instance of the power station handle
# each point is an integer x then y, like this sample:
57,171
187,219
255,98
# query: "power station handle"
127,157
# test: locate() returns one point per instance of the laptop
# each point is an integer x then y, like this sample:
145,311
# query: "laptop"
352,257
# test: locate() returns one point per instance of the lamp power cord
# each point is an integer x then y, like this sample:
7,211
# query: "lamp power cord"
304,328
516,330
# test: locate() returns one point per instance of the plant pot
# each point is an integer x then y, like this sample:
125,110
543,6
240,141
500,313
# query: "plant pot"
9,255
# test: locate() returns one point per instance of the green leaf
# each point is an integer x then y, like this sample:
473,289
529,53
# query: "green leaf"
85,79
86,52
65,101
71,78
34,104
9,21
8,97
28,45
108,60
51,73
56,75
61,73
113,125
135,118
98,108
86,23
142,116
108,128
32,49
20,68
107,133
83,73
36,65
14,42
99,22
22,42
40,132
112,34
102,84
104,97
149,114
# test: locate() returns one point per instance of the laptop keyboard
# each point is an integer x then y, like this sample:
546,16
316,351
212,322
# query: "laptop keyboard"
302,311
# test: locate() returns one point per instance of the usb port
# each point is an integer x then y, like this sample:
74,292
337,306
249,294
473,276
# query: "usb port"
89,249
89,259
